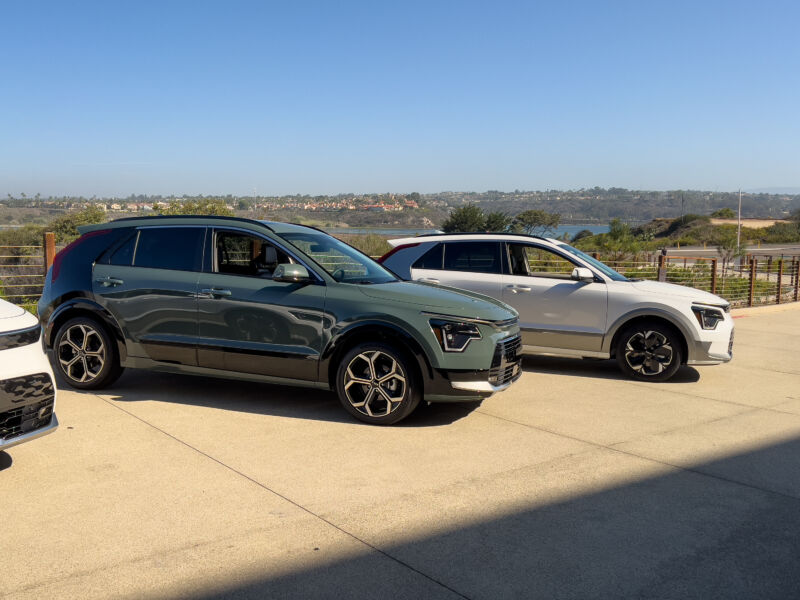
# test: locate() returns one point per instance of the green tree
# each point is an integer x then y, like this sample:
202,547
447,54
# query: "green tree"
497,221
202,206
536,222
725,239
66,226
724,213
465,219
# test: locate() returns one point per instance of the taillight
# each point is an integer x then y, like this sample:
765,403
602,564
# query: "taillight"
59,258
396,249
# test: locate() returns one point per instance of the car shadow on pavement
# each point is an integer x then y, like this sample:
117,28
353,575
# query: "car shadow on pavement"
595,368
5,460
725,528
260,398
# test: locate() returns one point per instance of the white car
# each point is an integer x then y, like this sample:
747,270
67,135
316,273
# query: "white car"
27,386
571,304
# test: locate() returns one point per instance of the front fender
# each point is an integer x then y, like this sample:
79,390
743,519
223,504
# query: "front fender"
675,318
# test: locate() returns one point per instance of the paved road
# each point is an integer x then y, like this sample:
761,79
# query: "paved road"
574,484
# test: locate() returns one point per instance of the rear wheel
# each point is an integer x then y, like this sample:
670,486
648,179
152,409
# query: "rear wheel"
378,384
85,355
649,351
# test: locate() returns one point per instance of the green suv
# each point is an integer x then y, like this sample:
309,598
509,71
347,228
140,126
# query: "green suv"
272,302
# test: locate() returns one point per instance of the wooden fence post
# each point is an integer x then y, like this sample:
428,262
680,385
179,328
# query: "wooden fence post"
797,281
780,280
713,275
48,250
662,269
753,263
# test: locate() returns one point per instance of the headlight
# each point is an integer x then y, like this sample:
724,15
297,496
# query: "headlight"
708,317
454,336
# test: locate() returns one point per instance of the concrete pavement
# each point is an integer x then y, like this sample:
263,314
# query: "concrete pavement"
576,483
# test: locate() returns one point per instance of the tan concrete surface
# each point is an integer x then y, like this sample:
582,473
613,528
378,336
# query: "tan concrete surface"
576,483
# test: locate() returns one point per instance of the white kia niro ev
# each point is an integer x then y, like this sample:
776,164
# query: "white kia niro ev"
571,304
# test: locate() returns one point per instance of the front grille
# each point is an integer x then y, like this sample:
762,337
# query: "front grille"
506,361
23,389
26,404
507,350
22,337
26,419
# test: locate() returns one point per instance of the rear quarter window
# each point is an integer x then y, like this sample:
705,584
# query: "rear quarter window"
475,257
432,259
175,248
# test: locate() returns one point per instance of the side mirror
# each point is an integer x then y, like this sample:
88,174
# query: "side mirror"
291,273
582,274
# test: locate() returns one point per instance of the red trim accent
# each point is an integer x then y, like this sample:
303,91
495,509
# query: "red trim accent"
395,249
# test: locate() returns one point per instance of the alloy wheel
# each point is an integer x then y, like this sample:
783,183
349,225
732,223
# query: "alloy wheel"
81,353
375,383
648,352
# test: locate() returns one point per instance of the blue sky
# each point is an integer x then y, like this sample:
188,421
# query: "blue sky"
113,98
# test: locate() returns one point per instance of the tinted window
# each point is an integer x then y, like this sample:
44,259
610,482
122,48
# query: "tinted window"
478,257
123,255
242,254
432,259
176,248
539,262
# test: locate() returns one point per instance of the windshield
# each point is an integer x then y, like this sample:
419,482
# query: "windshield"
603,268
342,262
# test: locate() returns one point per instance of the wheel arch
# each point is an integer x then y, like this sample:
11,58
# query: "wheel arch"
653,316
83,307
373,331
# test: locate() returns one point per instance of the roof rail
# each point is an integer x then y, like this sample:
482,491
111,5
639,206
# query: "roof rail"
523,235
215,217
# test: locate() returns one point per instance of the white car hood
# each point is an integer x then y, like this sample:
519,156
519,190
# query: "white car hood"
670,289
13,317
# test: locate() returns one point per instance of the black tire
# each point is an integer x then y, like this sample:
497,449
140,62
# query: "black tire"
85,355
381,394
649,351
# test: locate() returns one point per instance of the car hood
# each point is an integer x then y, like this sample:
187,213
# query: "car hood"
670,289
436,298
13,317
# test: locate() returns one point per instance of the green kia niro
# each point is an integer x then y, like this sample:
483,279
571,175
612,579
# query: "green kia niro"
273,302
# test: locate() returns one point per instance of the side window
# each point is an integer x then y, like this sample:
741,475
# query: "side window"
242,254
538,262
176,248
123,255
477,257
432,259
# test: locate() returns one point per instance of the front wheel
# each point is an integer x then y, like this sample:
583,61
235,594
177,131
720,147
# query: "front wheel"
649,352
85,355
378,384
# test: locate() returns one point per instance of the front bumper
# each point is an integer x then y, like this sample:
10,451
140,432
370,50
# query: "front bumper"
718,349
31,435
454,385
27,391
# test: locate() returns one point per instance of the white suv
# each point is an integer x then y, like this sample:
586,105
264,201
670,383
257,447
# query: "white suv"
571,304
27,388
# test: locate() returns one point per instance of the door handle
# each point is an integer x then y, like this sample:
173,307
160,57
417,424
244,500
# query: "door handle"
516,289
215,292
428,280
109,281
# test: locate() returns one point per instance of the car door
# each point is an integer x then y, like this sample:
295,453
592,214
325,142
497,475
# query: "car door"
251,324
474,265
555,311
148,282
